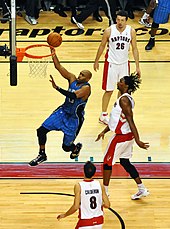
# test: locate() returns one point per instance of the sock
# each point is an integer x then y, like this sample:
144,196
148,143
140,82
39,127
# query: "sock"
104,113
141,186
145,16
42,151
106,188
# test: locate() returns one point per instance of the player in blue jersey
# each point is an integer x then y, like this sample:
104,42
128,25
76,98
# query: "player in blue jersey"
68,117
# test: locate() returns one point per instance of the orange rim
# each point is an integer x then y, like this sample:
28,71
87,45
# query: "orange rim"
39,57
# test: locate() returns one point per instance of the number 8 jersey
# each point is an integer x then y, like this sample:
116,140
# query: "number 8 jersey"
118,45
91,199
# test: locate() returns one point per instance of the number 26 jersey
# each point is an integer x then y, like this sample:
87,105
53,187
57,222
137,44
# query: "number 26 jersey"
118,45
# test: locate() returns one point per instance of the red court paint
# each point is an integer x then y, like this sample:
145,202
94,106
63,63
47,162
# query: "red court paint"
75,170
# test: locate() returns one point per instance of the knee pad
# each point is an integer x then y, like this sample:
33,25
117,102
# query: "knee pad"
129,168
107,167
41,134
155,25
68,148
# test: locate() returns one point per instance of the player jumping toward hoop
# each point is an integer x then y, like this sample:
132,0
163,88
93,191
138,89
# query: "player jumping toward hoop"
68,117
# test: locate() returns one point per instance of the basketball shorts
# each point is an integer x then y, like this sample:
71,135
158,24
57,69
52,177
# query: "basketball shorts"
92,227
112,73
59,120
162,12
94,223
119,146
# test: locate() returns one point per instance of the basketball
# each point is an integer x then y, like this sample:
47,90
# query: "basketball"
54,39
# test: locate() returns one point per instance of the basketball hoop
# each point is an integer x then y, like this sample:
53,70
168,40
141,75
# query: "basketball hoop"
38,58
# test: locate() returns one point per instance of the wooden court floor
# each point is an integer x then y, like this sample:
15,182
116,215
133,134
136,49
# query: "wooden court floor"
35,203
23,108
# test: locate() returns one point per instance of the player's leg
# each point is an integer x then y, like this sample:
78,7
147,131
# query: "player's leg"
91,7
145,19
110,157
42,138
109,83
53,122
161,16
104,118
69,146
151,42
142,191
126,154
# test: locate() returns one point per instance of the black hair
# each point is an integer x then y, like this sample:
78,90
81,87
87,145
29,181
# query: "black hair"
133,82
89,169
122,13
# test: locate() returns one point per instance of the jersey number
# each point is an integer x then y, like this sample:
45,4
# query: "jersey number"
120,46
93,203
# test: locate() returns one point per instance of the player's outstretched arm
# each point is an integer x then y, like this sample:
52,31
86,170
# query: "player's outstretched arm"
63,71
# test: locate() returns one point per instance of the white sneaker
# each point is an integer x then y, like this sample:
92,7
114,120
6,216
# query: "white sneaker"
104,119
31,20
79,25
140,193
145,22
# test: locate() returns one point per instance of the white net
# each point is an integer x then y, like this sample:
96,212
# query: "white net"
38,67
38,59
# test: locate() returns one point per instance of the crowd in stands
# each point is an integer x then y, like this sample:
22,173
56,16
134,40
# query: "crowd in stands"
30,9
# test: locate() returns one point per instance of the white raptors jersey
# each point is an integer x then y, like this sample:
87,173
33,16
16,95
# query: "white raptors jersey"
117,122
91,199
118,46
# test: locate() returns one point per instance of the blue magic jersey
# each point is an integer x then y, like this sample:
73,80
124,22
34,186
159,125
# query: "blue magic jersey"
68,117
76,106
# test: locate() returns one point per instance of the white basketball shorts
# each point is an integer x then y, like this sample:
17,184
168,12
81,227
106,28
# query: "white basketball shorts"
119,146
112,73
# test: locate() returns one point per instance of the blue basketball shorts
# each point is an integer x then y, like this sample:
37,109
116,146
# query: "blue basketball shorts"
59,120
162,12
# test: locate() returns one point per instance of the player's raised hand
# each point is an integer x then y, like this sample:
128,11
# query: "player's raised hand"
53,82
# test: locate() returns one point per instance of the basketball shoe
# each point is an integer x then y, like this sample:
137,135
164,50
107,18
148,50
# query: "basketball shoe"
145,22
104,118
76,152
79,25
31,20
140,193
150,44
39,159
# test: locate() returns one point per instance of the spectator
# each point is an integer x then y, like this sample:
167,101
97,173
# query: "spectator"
59,8
91,7
129,8
5,10
32,8
109,8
